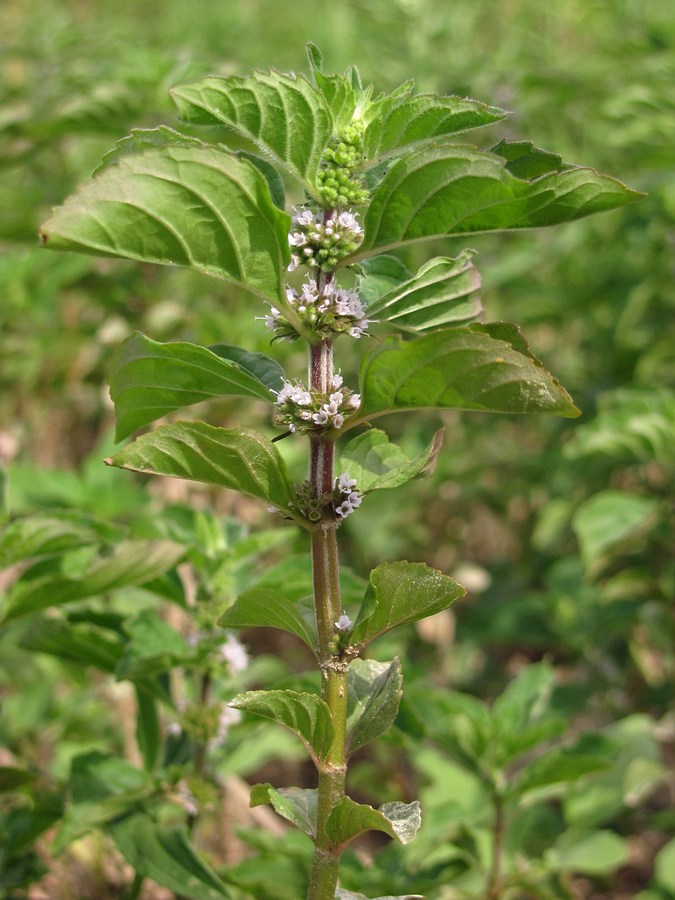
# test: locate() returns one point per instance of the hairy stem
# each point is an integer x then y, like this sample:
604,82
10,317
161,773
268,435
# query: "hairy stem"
326,580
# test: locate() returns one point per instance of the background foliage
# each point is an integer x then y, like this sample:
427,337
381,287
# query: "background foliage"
560,529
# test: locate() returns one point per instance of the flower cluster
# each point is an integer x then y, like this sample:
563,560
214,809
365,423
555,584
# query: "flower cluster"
304,411
348,497
322,241
337,184
329,311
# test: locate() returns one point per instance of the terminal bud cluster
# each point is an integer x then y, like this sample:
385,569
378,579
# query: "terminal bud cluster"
337,184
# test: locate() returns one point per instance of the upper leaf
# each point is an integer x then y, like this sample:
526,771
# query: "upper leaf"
297,805
375,463
414,120
150,380
269,608
440,191
400,593
443,293
305,714
194,206
482,367
239,458
283,114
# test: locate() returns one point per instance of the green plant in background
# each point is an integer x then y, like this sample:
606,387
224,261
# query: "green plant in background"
169,198
379,173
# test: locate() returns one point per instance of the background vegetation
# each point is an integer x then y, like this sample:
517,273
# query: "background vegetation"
560,529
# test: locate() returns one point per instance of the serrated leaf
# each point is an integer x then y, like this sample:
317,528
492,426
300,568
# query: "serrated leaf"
153,647
556,766
131,562
149,380
444,292
305,714
275,182
413,121
400,593
446,190
239,458
590,852
297,805
482,367
375,690
269,608
281,114
200,207
141,139
348,819
258,365
380,275
526,161
375,463
166,856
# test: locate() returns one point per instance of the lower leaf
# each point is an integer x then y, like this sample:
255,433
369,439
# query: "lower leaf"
297,805
350,819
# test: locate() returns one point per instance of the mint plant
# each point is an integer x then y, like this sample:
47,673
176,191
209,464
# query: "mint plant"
379,173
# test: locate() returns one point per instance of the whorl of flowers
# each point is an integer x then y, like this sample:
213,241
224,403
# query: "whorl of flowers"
337,184
348,497
322,240
329,311
303,411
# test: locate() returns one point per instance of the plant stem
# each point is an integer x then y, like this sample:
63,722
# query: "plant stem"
494,889
326,581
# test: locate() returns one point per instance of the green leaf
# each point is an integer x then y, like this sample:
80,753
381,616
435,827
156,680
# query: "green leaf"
379,276
609,520
102,787
349,819
305,714
446,190
258,365
43,535
131,562
283,115
239,458
153,647
297,805
376,463
148,729
200,207
12,778
664,867
375,690
482,367
443,293
631,425
275,182
343,894
591,852
400,593
413,121
166,856
269,608
526,161
85,645
556,766
150,380
141,139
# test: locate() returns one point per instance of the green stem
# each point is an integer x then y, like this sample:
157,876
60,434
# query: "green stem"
494,887
328,606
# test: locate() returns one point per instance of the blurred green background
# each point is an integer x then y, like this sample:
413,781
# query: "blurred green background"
561,529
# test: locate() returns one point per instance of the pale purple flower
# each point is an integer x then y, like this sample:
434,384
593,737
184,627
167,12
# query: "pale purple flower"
344,623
